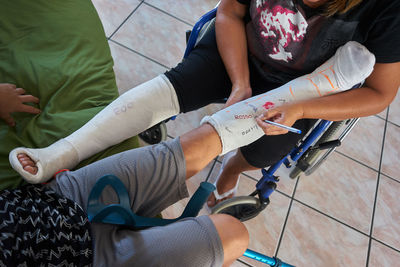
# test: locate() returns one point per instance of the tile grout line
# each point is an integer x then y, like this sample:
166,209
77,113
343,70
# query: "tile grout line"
391,178
393,123
286,219
386,245
329,216
123,22
140,54
175,17
379,117
243,262
377,188
387,118
344,224
356,160
365,165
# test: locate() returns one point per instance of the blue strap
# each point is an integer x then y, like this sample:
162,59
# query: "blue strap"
198,199
122,214
95,206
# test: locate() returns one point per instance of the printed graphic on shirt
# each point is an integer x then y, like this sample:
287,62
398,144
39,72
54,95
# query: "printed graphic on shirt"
279,27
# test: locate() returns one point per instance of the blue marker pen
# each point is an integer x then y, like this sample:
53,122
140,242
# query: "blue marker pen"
290,129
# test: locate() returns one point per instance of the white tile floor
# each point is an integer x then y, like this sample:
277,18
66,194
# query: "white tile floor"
345,214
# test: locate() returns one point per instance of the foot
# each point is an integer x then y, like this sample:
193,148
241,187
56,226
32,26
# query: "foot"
226,183
233,165
27,163
44,161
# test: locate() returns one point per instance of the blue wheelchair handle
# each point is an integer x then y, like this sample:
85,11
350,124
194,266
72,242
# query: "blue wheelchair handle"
121,213
274,262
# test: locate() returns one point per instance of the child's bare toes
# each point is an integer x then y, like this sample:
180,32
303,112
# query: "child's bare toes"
31,170
27,163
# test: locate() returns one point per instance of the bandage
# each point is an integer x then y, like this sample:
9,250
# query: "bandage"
131,113
236,125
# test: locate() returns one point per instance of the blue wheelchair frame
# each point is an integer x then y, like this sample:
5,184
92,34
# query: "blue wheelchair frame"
121,213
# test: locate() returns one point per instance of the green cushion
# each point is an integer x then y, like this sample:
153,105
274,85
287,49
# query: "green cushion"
55,50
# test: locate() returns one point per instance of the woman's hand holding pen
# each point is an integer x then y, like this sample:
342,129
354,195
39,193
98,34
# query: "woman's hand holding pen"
286,115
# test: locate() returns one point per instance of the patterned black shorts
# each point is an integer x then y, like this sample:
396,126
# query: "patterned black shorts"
41,228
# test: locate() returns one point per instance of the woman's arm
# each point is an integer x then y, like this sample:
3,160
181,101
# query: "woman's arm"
232,46
378,92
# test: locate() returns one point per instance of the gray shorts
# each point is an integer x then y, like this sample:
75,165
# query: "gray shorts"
155,179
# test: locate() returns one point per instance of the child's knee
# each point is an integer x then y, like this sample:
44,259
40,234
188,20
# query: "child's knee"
233,234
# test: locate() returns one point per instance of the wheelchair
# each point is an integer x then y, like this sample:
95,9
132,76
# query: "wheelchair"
308,154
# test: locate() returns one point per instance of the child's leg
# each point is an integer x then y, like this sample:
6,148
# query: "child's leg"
153,175
132,112
155,178
215,240
236,124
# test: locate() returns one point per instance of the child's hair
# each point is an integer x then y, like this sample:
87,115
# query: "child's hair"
340,6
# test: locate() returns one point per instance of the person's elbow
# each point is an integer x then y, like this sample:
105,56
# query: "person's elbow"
380,99
384,82
388,97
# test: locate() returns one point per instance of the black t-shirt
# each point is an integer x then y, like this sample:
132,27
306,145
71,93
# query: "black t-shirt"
287,39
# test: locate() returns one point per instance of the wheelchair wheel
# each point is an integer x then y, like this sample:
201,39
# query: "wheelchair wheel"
310,160
243,208
155,134
296,172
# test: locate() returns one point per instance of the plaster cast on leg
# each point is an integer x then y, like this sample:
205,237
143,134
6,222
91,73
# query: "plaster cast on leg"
61,153
236,125
131,113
